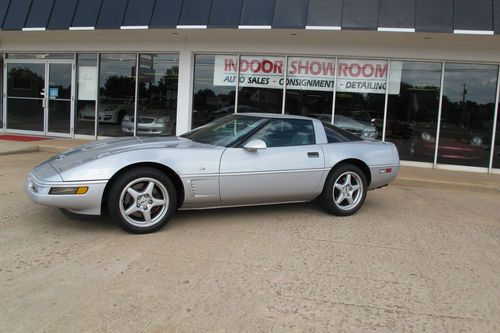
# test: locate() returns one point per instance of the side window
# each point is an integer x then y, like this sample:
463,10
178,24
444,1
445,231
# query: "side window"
287,132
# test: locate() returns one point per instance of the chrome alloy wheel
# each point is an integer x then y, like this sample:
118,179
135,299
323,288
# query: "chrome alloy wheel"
144,202
347,190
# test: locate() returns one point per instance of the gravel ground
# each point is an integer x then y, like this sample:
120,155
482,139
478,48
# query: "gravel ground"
412,260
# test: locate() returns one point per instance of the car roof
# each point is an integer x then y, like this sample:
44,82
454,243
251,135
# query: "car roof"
273,115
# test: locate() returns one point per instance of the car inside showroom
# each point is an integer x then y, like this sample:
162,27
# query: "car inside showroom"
422,74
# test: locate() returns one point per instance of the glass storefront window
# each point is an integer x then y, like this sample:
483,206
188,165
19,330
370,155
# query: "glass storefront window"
1,89
360,100
116,92
412,113
261,84
66,56
157,103
496,145
469,95
214,87
310,86
86,94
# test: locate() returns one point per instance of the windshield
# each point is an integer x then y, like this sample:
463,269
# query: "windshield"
225,130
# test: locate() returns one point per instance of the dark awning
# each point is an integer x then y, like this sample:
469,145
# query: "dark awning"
225,14
139,13
39,14
87,13
441,16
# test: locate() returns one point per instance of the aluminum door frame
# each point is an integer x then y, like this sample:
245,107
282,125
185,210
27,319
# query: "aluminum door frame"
71,101
46,63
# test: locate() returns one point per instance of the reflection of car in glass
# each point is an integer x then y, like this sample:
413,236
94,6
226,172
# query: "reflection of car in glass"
111,113
153,119
455,142
360,128
237,160
230,110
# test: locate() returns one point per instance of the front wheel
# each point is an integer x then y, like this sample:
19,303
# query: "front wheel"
142,200
344,191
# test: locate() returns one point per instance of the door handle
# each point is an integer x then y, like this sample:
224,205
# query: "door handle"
313,154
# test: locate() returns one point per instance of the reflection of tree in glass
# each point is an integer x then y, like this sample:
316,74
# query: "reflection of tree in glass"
118,86
200,99
160,89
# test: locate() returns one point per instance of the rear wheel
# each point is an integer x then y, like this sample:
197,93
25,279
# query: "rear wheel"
142,200
345,190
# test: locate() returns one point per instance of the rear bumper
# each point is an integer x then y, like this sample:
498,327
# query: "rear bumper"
381,176
89,203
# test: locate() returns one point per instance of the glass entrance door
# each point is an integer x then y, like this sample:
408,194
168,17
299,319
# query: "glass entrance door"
39,97
59,98
25,97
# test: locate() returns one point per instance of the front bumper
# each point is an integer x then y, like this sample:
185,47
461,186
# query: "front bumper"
87,204
146,129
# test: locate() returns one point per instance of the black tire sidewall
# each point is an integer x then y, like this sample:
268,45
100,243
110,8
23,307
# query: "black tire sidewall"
326,198
122,181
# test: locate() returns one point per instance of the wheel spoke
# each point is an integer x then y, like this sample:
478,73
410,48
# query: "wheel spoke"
158,202
348,179
339,186
131,210
133,193
355,188
340,198
149,189
147,215
349,200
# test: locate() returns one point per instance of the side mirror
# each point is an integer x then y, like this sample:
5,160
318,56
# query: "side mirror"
254,145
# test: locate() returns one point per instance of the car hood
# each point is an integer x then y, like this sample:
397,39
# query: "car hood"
105,148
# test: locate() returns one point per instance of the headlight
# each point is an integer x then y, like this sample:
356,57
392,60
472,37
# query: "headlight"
427,137
369,134
476,141
162,120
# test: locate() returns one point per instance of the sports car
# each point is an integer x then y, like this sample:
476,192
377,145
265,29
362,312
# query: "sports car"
236,160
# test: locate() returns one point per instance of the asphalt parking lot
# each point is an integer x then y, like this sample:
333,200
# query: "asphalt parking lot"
413,259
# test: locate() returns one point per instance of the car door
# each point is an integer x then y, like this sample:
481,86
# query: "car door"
289,169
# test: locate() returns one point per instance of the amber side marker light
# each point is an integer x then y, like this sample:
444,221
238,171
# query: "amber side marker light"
68,190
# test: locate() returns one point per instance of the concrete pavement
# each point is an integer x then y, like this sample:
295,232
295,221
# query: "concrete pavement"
412,259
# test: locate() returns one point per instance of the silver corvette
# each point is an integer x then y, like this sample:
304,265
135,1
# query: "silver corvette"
237,160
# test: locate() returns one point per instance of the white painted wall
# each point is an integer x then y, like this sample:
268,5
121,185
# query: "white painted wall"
394,45
305,42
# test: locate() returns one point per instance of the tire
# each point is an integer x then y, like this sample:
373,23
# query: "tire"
346,177
142,200
121,115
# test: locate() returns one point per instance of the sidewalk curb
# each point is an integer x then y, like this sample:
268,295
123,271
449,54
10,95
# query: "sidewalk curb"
23,150
445,185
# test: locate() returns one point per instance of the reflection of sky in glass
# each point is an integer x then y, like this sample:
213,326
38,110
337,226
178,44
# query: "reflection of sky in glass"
421,74
479,80
204,75
116,65
160,63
